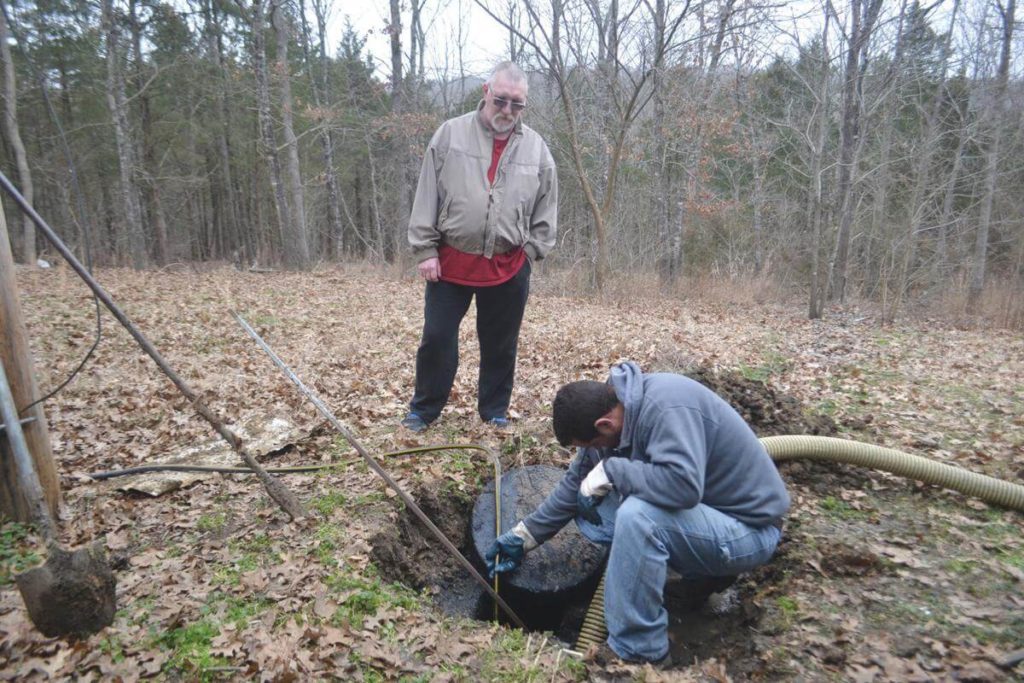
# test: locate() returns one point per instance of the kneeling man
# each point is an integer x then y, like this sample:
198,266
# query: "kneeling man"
669,475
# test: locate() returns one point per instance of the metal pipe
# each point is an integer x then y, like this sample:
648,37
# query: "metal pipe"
28,478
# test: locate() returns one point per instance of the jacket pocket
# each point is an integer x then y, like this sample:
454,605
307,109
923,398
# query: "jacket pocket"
523,224
442,215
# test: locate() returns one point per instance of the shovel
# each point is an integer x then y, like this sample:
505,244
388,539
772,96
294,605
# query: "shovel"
73,593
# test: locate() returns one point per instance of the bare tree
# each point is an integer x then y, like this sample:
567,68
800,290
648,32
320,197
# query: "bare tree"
555,37
917,207
863,14
296,248
997,120
214,35
677,237
321,87
152,206
816,139
28,231
117,102
268,142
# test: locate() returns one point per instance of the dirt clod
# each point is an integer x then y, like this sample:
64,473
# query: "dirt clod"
73,593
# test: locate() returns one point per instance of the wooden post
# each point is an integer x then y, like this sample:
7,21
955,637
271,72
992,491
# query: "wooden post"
14,354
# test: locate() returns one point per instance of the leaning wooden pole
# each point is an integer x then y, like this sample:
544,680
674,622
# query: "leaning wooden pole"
17,363
277,491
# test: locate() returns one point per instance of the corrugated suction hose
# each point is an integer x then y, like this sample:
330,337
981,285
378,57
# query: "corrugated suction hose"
782,448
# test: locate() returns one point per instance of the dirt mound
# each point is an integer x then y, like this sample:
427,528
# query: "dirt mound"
768,412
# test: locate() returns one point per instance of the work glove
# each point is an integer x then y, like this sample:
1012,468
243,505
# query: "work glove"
508,550
593,489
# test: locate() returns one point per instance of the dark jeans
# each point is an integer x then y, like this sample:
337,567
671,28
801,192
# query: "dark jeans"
499,314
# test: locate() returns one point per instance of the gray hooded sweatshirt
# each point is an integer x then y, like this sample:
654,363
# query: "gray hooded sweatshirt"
681,445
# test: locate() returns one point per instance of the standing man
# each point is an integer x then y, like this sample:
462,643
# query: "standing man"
668,474
485,210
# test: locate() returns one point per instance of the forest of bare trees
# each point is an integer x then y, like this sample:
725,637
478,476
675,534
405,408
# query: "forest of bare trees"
863,148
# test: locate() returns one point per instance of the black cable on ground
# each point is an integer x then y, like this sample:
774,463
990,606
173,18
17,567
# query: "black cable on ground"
298,469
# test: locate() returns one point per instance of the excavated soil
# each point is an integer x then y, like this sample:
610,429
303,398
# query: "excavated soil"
702,625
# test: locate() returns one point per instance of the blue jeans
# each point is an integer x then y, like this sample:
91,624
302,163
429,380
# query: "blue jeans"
646,539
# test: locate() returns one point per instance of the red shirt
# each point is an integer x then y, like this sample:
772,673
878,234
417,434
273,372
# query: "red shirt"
476,270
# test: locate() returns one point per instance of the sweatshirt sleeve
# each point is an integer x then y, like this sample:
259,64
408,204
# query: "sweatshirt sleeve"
559,508
544,219
424,237
672,473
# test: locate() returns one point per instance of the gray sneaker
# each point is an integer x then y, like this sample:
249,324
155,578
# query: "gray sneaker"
414,423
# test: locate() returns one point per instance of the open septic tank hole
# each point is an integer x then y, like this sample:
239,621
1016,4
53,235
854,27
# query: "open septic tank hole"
553,589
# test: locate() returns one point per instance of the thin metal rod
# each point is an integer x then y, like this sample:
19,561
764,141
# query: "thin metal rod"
28,478
375,466
22,421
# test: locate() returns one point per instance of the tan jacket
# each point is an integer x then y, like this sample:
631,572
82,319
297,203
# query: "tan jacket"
455,204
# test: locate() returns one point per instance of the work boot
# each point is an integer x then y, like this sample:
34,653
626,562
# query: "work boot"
414,423
687,595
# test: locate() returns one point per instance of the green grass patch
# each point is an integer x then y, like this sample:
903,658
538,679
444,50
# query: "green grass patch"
840,509
16,555
248,554
212,522
960,566
328,538
329,502
190,644
190,649
264,320
511,658
772,364
361,596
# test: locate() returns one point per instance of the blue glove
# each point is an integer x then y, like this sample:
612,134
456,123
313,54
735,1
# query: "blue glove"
586,507
510,548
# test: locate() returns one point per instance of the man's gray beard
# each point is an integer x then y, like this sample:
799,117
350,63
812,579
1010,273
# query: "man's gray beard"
502,127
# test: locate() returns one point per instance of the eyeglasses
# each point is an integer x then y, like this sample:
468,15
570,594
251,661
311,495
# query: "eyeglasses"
501,103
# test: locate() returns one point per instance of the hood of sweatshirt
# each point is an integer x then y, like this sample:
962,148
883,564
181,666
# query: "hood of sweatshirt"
628,382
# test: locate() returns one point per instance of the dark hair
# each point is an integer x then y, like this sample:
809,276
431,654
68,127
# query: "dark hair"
577,406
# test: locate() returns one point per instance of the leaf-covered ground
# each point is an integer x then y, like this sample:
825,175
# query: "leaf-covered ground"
878,578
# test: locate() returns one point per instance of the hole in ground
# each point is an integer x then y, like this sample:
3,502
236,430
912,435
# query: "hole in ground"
702,625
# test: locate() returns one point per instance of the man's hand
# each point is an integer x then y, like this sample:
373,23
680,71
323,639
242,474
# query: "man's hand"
593,489
508,550
430,270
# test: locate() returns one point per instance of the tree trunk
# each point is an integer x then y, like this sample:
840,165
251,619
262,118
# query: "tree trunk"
696,152
322,98
862,19
916,209
117,102
153,209
400,148
998,120
17,363
815,199
267,139
232,222
296,250
27,253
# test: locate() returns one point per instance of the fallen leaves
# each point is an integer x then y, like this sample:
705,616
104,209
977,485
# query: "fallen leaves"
862,584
